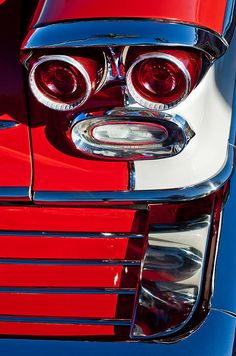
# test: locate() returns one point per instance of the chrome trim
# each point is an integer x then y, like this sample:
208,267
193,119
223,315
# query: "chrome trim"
69,262
125,32
49,102
229,20
80,235
151,104
11,194
55,290
131,168
179,134
148,196
190,254
58,320
7,124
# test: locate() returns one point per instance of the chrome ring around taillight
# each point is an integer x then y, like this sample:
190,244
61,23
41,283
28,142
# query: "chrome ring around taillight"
156,105
49,102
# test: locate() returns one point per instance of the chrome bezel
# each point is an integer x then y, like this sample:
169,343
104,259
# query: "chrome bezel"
49,102
88,145
150,104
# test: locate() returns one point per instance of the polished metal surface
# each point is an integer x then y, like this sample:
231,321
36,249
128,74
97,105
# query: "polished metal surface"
170,280
54,290
57,262
178,135
84,235
11,194
7,124
224,296
125,32
229,20
58,320
148,196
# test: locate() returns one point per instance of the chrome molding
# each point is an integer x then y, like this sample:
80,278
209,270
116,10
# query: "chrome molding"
179,134
69,262
182,256
148,196
57,320
7,124
86,235
11,194
229,20
125,32
55,290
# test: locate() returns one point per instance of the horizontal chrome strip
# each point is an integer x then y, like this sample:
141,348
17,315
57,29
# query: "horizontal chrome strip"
150,196
79,235
42,290
55,320
11,194
70,262
112,32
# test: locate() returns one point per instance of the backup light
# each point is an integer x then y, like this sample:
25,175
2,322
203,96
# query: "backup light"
128,134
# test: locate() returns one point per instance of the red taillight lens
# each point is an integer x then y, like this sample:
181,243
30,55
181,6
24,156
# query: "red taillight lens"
160,80
63,82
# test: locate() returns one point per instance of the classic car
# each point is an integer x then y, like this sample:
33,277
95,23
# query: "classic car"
117,191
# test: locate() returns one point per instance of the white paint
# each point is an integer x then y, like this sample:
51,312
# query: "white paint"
208,110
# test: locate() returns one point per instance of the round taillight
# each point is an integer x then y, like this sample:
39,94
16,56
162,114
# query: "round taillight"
160,80
62,82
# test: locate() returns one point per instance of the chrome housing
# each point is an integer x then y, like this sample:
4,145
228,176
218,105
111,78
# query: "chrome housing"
49,101
179,134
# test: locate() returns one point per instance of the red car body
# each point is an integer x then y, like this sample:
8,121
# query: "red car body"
73,229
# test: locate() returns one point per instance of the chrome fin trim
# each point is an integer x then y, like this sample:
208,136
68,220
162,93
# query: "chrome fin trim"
126,32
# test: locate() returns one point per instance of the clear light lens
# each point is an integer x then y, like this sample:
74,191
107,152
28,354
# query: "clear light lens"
171,277
130,133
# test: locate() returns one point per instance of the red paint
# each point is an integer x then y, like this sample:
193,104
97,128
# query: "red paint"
57,163
207,13
71,219
55,170
35,275
42,247
15,160
59,305
45,329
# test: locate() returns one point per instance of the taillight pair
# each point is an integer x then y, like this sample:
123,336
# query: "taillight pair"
157,79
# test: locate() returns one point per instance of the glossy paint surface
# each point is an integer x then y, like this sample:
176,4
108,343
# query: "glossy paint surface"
57,165
39,329
59,275
208,13
15,158
215,337
71,219
68,247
